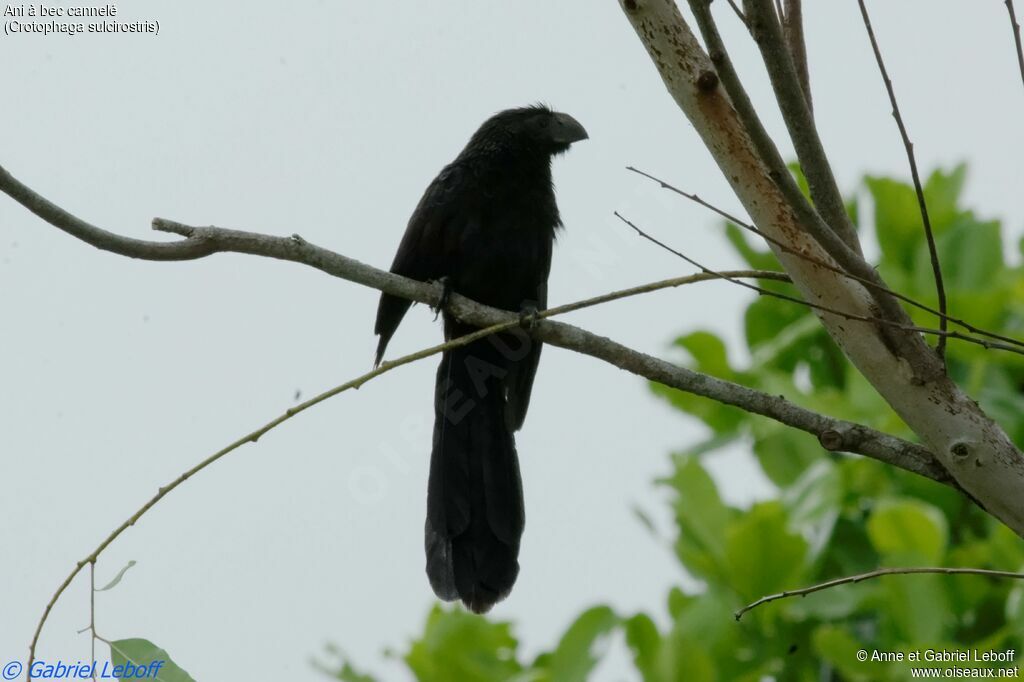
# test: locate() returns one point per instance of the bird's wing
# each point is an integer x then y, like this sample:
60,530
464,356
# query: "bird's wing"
426,248
519,383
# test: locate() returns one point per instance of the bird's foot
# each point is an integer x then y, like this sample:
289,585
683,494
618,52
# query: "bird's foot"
528,316
446,294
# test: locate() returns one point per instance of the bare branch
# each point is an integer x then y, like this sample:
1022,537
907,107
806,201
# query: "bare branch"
941,333
1015,26
940,287
849,580
846,249
738,11
791,93
92,616
218,240
860,440
753,287
834,434
848,256
793,29
829,266
898,363
98,237
252,437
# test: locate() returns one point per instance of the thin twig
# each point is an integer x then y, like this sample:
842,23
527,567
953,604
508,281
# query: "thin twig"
841,435
355,384
92,614
834,434
846,255
753,287
791,93
252,438
1015,25
940,288
848,580
793,30
941,333
904,369
738,11
822,263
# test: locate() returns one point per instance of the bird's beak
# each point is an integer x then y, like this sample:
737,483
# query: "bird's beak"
568,130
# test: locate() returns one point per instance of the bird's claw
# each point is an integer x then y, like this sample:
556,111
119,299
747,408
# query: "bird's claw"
446,294
528,316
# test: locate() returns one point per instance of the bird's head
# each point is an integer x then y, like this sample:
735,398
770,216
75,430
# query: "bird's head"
534,129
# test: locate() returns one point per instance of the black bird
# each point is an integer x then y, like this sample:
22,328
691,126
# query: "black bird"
485,227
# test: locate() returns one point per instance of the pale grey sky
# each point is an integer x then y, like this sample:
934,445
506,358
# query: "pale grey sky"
328,119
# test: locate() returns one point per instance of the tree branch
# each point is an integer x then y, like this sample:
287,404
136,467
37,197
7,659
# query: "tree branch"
761,291
98,237
252,437
793,100
793,29
834,434
845,250
1006,340
766,154
897,362
1015,27
852,438
738,11
848,580
940,287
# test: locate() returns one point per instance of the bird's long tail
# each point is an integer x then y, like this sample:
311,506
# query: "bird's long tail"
475,513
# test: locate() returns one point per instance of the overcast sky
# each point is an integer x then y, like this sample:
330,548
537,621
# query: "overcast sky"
328,119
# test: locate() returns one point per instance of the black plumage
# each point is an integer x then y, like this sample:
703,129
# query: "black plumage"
487,224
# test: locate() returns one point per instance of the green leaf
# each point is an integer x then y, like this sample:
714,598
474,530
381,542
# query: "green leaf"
701,517
837,647
117,578
708,352
463,646
348,673
897,221
971,254
341,667
679,601
783,453
709,356
756,259
685,659
942,195
917,606
580,647
763,556
801,179
813,503
1015,608
765,320
644,641
834,604
128,655
909,530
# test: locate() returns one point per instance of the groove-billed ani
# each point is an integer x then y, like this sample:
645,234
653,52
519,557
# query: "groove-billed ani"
485,226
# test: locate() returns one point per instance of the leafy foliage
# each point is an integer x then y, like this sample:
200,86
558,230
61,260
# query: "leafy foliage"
834,515
141,659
